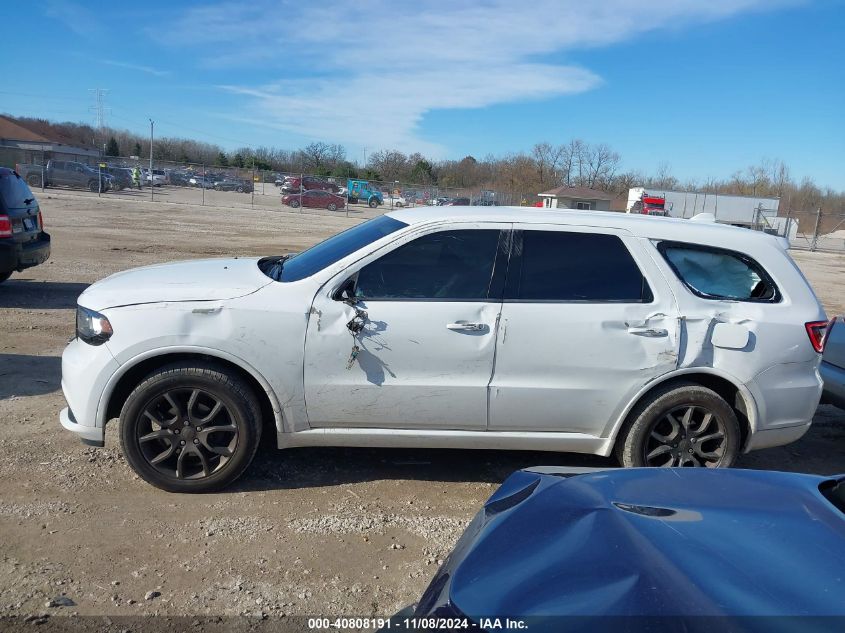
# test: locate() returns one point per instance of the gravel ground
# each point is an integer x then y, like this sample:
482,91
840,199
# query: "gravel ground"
307,531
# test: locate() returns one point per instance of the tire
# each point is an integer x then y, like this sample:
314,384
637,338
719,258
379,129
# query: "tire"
197,389
373,203
240,189
668,429
92,186
5,276
332,206
33,181
216,187
294,204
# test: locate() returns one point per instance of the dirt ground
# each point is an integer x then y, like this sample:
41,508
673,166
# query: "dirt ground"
306,531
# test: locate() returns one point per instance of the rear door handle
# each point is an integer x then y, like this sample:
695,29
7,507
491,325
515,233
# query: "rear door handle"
463,326
648,331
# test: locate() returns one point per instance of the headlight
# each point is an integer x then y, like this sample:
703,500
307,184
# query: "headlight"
92,327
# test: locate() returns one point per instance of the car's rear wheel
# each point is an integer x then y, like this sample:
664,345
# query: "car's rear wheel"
240,189
332,206
190,427
93,186
5,276
683,425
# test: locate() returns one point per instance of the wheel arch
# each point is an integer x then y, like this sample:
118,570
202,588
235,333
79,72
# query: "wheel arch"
737,395
132,372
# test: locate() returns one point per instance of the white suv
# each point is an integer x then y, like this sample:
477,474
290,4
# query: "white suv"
664,341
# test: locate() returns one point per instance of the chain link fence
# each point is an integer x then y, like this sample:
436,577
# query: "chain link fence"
244,187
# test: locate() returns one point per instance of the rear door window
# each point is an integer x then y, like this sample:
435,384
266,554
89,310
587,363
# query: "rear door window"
574,267
715,273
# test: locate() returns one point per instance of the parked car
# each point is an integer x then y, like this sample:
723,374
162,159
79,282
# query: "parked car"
121,177
157,179
203,182
23,242
700,549
315,199
661,341
395,201
832,369
179,178
456,202
233,184
295,184
65,173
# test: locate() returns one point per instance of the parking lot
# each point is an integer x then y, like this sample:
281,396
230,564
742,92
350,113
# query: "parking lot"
330,531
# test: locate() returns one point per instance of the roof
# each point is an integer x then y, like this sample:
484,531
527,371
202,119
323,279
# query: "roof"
654,542
583,193
665,228
13,130
17,131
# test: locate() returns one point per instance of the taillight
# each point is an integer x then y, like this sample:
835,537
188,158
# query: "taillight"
5,226
40,221
816,332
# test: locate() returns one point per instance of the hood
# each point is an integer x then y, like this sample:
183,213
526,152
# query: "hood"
651,542
194,280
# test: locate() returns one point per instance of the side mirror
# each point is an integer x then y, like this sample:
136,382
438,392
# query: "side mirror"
346,292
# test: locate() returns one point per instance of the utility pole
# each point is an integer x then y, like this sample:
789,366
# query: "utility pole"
152,180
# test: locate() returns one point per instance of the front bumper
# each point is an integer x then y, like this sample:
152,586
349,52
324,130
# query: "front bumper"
834,384
86,370
91,435
20,255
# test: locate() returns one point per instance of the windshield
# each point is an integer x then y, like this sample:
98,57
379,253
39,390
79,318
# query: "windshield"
329,251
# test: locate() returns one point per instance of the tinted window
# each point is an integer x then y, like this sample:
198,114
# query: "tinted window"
563,266
714,273
13,191
453,265
336,248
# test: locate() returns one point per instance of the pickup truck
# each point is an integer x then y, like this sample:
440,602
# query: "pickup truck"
65,173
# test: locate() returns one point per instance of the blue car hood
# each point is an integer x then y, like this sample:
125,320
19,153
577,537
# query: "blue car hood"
650,542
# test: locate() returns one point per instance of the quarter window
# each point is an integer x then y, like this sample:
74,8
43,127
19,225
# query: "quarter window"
569,266
715,273
449,265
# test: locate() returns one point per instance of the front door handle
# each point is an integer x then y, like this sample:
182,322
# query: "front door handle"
464,326
648,331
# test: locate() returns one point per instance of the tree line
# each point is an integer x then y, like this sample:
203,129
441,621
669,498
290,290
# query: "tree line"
523,174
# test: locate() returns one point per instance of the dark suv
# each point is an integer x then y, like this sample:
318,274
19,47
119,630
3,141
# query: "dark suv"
23,242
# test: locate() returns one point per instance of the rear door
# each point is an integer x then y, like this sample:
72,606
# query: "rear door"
587,320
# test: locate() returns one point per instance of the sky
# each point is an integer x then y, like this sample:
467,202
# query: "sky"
707,87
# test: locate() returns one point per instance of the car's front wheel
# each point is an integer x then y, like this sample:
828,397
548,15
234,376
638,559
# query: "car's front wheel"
190,427
683,425
332,206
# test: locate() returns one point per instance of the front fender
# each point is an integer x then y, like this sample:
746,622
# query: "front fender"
126,366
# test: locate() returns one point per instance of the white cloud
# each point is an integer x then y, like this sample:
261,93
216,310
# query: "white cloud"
138,67
367,72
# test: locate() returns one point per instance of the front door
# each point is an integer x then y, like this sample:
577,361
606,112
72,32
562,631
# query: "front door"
586,321
423,357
